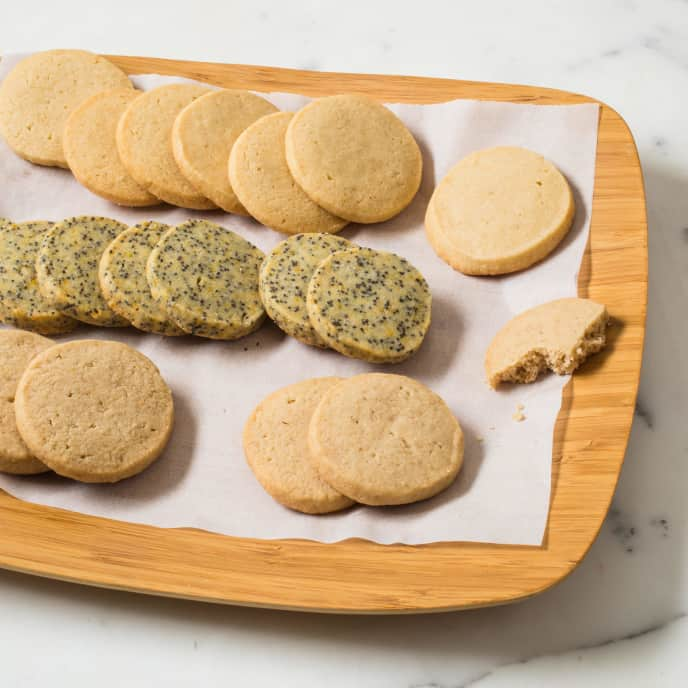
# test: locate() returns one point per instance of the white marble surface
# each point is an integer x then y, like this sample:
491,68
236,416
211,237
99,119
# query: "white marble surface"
619,618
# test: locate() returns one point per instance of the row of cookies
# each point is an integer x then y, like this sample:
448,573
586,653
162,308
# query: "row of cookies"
340,159
53,403
324,444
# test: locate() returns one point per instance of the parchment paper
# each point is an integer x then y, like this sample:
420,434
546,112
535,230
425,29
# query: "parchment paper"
202,479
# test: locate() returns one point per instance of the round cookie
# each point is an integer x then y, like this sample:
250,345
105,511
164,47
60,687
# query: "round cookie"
284,278
17,348
385,439
144,144
354,157
203,135
91,150
558,335
206,278
95,411
21,302
67,268
122,278
41,91
276,448
370,305
499,210
260,177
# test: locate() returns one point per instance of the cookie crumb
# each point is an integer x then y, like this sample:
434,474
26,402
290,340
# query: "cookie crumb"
519,416
480,438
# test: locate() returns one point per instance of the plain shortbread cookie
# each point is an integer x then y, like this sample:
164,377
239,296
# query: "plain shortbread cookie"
21,302
262,181
122,277
276,448
144,143
17,348
95,411
203,135
499,210
67,268
284,278
385,439
38,95
354,157
369,304
206,279
91,150
557,335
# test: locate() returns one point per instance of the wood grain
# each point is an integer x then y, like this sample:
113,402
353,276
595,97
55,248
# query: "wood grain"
357,576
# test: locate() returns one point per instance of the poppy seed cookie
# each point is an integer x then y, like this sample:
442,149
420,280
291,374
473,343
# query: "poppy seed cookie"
93,410
38,95
203,135
206,279
354,157
284,278
122,277
557,335
499,210
262,181
276,448
21,302
370,305
17,348
67,268
385,439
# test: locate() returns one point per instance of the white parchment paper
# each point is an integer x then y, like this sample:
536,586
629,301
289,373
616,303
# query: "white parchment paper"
202,480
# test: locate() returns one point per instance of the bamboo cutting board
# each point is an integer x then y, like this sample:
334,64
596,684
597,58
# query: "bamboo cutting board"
357,576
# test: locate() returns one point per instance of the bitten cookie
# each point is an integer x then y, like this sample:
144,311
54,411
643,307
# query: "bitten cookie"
144,144
558,335
370,305
17,348
203,135
499,210
91,151
67,268
40,93
261,179
95,411
354,157
206,279
276,448
122,277
385,439
284,278
21,303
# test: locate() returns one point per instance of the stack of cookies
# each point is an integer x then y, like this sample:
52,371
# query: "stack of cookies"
93,411
324,444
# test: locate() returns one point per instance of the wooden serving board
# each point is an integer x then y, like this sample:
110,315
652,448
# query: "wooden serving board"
358,576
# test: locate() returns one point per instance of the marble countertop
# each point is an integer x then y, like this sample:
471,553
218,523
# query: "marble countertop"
619,619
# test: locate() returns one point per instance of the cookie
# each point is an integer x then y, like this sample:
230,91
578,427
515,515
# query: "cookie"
91,151
21,302
385,439
499,210
370,305
144,144
276,448
95,411
206,279
122,278
203,135
260,177
67,268
17,348
557,336
354,157
284,278
40,93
